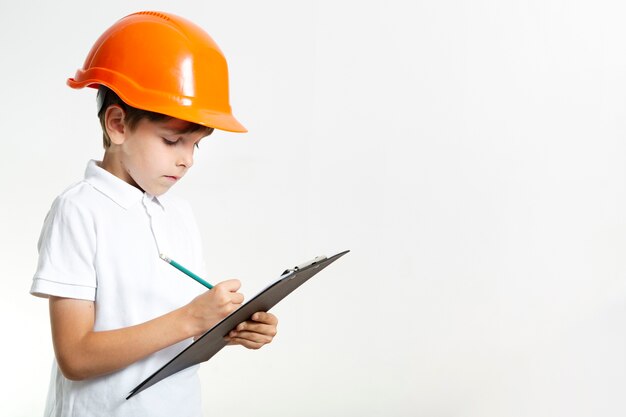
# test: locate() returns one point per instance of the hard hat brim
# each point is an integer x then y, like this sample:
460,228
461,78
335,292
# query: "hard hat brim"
183,111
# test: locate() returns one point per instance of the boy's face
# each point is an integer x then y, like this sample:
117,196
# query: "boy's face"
153,156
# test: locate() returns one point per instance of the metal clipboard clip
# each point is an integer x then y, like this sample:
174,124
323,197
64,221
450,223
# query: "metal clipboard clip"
306,264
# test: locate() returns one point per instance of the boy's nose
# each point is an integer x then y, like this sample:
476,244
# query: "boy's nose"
185,158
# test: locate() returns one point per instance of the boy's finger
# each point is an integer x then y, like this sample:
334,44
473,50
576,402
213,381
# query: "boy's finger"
251,341
251,335
236,298
231,285
264,317
252,327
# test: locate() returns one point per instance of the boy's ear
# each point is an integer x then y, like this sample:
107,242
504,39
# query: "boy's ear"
114,123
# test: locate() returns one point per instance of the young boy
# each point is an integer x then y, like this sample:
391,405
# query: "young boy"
117,311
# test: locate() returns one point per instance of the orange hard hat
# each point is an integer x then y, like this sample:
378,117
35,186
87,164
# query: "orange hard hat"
165,64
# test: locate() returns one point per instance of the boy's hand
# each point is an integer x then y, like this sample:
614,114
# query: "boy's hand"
211,307
254,333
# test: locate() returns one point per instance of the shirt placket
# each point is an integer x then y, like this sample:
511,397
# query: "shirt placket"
156,216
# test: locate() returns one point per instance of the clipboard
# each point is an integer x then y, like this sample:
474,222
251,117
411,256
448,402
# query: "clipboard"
211,342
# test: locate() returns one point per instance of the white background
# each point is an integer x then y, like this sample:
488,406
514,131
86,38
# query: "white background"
469,153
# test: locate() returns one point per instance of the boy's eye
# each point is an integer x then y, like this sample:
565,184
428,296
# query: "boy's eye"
170,142
197,145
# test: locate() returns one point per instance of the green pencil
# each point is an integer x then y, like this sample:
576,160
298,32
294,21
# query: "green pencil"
185,271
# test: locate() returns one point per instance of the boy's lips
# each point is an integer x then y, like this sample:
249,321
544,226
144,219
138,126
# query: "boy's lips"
172,177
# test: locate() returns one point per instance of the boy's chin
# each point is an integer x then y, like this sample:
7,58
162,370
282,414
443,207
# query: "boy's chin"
157,190
160,192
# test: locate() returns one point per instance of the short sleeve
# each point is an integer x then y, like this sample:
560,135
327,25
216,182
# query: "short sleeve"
67,246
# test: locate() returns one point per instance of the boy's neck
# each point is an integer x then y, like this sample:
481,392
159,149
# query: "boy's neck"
111,163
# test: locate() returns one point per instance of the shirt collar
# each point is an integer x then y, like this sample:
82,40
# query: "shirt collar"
117,189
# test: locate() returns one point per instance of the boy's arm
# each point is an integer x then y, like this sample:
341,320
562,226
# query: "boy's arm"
83,353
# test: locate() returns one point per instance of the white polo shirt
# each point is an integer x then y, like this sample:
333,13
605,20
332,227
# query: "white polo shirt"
101,242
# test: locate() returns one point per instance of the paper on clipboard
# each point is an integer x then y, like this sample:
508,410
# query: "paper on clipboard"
211,342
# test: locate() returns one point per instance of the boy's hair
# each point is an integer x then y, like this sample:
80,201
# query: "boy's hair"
107,98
